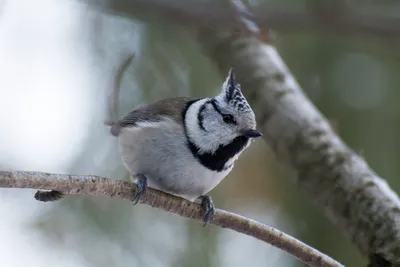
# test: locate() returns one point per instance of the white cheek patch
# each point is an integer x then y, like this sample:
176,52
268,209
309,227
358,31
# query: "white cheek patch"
204,142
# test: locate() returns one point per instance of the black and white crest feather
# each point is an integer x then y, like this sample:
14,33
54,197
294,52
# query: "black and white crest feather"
231,85
233,94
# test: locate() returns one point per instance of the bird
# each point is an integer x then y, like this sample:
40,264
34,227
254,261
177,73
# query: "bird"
186,146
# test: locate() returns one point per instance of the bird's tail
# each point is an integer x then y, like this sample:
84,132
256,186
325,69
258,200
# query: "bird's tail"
115,127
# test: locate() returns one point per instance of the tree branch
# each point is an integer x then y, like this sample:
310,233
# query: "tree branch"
351,24
212,13
352,195
98,186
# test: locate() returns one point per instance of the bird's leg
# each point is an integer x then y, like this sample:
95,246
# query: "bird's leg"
208,209
141,186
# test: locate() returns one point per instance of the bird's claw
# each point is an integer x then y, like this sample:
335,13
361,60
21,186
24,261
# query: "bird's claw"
208,209
141,185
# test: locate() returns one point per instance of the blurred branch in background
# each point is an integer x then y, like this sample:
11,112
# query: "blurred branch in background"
338,180
113,98
98,186
216,13
358,24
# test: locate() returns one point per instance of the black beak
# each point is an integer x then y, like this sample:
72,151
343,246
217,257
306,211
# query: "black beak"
252,133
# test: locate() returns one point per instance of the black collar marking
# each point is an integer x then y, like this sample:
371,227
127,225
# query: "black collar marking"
215,106
216,161
200,117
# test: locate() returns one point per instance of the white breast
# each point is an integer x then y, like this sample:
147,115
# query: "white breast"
159,151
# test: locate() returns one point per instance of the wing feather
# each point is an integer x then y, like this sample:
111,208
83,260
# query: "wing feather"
172,108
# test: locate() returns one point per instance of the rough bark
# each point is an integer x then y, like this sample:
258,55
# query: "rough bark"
64,184
337,179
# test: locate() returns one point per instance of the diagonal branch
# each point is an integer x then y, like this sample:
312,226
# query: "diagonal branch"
352,195
212,13
98,186
347,24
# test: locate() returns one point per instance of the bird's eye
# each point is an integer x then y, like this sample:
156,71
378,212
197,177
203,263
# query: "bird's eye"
228,118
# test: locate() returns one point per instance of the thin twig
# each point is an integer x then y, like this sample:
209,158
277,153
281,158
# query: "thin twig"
98,186
115,89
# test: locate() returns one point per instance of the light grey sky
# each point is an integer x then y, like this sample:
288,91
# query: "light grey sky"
43,92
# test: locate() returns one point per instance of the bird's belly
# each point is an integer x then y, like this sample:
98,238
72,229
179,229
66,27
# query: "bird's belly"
192,182
167,162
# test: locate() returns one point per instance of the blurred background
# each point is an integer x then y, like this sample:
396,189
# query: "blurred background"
58,61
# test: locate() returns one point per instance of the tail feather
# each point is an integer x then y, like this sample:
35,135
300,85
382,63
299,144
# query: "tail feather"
115,127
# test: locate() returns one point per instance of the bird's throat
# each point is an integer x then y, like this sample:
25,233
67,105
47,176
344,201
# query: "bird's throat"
217,161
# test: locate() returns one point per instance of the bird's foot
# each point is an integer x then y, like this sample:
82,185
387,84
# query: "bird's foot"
141,185
208,209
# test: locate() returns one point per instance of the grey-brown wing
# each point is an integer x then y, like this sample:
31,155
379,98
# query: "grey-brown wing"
171,107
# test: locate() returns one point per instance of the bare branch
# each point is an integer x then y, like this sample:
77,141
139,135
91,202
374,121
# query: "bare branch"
212,13
352,24
338,180
98,186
